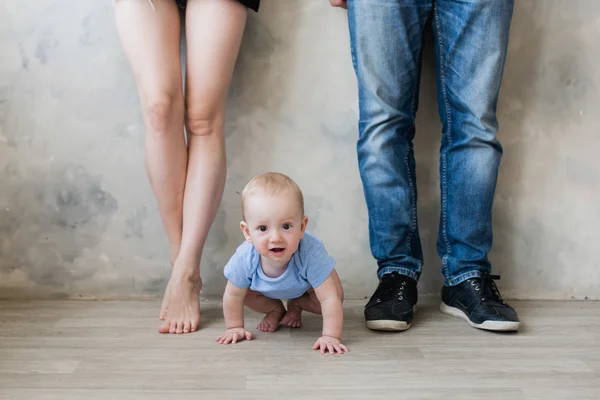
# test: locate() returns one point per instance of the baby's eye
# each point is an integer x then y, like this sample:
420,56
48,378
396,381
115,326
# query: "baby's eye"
287,226
262,228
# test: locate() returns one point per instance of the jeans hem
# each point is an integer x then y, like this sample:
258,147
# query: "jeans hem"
463,277
402,271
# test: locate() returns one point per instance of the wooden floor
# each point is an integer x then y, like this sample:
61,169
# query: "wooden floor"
111,350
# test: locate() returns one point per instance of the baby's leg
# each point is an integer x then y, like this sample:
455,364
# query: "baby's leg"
307,302
273,309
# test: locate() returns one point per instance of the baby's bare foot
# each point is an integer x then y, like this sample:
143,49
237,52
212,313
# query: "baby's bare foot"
293,316
183,312
270,322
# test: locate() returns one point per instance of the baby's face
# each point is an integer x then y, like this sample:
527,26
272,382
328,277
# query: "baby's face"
274,224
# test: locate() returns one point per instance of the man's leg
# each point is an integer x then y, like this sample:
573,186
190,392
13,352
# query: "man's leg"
471,44
386,39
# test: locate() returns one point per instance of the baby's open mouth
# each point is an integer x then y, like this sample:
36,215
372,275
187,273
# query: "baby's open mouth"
277,250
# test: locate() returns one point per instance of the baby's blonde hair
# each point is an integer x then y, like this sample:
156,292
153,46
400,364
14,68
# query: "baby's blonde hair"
271,183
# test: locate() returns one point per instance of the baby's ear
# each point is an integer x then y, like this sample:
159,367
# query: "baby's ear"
303,225
245,231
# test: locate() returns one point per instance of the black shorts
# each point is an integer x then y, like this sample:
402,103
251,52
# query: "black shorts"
253,4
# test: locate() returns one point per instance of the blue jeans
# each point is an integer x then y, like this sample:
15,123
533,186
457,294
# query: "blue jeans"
471,38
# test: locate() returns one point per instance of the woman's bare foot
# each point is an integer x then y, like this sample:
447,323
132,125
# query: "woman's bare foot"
164,307
270,322
293,316
183,311
165,302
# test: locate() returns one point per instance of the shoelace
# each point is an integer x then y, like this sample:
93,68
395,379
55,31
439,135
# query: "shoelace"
390,286
487,288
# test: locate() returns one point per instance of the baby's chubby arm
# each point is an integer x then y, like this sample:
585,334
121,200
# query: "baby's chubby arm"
330,295
233,310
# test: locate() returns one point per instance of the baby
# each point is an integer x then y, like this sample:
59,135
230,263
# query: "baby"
281,260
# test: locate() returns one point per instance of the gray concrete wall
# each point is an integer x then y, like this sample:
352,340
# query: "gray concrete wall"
78,219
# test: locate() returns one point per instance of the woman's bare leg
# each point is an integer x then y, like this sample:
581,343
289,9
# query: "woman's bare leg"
214,30
150,39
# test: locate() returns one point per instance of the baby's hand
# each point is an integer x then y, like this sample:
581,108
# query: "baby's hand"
330,343
233,335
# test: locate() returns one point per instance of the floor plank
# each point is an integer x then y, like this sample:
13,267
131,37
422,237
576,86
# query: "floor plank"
99,350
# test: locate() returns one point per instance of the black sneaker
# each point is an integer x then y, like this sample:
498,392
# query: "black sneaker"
478,301
392,306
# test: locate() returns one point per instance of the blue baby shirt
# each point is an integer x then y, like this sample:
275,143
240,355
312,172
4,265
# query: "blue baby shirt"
308,268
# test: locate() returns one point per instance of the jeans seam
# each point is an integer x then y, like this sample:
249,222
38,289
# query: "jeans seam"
411,184
463,277
413,204
401,270
449,138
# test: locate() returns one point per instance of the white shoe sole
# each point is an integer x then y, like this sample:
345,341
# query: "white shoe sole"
390,325
497,326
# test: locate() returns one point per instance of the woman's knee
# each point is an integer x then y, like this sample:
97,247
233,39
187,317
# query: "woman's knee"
161,112
204,122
